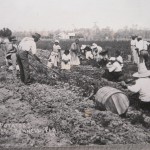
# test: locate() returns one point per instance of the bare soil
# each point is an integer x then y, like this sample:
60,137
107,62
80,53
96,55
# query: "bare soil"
54,111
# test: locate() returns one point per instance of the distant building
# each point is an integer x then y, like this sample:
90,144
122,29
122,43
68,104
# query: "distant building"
65,36
71,35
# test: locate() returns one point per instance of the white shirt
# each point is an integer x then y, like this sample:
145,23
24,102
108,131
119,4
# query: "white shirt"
66,57
28,44
120,59
142,45
56,48
5,40
116,67
143,87
89,55
133,42
99,49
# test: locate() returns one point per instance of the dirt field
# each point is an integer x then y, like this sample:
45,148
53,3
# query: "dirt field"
53,112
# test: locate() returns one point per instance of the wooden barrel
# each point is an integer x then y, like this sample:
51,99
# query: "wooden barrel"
112,99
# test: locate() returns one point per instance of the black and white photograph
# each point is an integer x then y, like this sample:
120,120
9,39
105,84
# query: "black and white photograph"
75,74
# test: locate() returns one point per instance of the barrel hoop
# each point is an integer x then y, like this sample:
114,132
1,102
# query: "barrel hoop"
103,102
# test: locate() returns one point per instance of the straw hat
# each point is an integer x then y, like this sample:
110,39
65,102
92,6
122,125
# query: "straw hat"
142,71
56,41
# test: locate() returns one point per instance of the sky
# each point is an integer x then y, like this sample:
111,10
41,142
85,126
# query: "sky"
69,14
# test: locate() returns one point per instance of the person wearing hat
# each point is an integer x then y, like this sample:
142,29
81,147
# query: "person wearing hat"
103,58
75,53
27,46
142,49
11,55
96,50
113,70
55,55
88,51
134,54
141,86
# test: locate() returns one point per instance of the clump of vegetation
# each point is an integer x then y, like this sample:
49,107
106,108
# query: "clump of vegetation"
5,32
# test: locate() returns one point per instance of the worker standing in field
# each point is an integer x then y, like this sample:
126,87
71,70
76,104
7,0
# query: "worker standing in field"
65,62
75,52
142,50
27,46
55,55
5,47
141,86
134,54
11,58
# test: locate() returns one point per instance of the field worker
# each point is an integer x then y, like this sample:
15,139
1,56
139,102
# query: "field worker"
114,70
103,58
11,55
56,53
66,58
88,51
96,51
141,86
142,49
134,54
119,57
83,49
5,45
27,46
75,52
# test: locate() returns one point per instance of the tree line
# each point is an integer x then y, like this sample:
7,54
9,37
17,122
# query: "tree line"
86,34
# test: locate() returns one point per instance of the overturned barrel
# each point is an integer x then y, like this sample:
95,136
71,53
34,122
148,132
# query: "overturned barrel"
112,99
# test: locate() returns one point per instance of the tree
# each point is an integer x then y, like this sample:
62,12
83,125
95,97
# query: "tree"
5,32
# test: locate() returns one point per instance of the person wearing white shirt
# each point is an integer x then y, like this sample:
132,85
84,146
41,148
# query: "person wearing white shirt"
86,49
11,56
141,86
141,47
103,58
27,46
96,50
134,54
119,58
55,54
75,53
114,70
66,58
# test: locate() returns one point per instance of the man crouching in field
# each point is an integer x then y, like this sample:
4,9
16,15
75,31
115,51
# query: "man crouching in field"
26,45
141,86
114,70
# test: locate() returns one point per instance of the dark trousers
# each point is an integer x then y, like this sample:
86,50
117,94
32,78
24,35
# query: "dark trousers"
112,76
144,56
23,62
145,105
